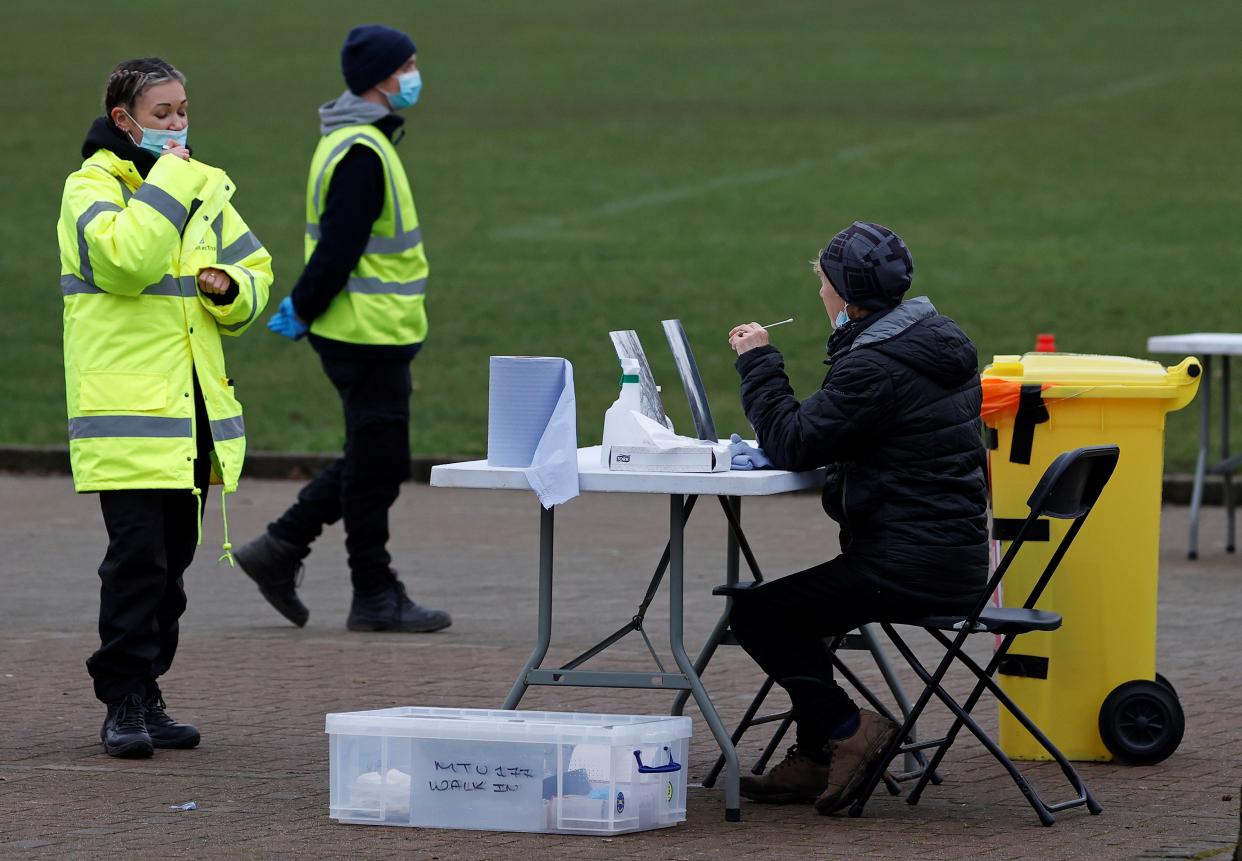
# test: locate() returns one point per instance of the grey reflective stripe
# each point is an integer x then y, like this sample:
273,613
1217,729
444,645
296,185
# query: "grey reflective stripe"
169,285
218,227
254,305
173,285
163,203
85,427
84,258
337,150
395,244
240,248
376,286
72,284
342,147
382,244
230,428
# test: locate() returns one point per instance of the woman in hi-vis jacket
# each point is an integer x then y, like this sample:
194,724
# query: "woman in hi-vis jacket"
155,266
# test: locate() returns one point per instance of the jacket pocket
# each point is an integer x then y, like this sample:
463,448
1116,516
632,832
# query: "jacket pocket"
122,390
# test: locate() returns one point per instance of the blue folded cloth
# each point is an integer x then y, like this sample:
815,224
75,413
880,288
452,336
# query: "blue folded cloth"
746,456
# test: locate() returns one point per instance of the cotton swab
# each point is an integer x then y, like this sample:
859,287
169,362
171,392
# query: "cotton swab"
781,323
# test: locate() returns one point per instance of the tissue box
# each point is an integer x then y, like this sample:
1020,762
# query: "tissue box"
690,458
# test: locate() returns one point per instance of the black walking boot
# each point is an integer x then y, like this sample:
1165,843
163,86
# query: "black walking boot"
276,565
164,731
392,610
124,733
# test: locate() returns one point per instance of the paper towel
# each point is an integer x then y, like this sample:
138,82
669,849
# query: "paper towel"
532,423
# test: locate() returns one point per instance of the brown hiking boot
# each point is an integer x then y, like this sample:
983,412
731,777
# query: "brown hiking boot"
796,779
851,757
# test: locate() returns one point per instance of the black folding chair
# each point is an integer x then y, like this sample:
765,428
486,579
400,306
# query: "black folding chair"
1067,491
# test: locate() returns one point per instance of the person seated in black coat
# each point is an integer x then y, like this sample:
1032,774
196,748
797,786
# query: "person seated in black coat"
896,422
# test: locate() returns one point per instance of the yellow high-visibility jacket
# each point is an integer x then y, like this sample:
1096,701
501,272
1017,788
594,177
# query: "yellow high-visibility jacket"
383,300
137,327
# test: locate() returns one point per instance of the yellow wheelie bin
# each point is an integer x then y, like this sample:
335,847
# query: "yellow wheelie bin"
1092,685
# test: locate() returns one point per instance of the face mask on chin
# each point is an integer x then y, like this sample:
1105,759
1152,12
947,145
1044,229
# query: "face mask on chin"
153,140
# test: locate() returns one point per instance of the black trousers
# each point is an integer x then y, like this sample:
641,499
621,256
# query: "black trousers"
362,485
152,535
782,624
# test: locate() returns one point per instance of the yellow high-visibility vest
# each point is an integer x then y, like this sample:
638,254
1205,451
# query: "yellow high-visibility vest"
382,301
137,328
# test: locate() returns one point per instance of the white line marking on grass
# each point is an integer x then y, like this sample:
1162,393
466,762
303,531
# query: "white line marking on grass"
620,206
551,225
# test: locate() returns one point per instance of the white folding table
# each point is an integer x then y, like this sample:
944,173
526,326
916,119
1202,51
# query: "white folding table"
1206,345
682,489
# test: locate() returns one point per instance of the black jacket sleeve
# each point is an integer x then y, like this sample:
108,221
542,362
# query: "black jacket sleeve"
828,427
355,199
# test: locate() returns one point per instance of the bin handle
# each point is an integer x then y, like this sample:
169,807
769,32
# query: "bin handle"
657,769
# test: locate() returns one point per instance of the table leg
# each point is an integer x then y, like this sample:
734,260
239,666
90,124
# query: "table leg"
1205,418
733,806
732,567
1226,473
546,529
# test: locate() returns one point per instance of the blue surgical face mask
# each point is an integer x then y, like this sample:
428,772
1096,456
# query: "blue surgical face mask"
842,319
410,84
153,139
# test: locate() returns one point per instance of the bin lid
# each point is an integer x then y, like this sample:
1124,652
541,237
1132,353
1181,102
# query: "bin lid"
1063,375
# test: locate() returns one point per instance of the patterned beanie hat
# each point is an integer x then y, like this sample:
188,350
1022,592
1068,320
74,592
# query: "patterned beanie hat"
868,265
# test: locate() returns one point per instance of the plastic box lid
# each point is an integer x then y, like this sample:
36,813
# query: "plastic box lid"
500,725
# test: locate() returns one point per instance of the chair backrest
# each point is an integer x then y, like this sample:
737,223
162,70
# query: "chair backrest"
1073,482
1068,490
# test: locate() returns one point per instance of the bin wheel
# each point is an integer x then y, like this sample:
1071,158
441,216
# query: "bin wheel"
1161,679
1141,722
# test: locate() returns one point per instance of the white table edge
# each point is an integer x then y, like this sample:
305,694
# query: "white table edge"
477,475
1213,343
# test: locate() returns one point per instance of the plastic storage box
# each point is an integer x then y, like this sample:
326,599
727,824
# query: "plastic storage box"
508,770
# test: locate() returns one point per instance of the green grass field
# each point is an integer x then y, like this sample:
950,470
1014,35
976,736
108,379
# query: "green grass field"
583,166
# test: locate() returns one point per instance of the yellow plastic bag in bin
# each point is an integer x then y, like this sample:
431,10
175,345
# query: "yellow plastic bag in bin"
1092,685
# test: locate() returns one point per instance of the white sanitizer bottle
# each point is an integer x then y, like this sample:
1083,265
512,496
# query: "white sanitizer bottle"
619,425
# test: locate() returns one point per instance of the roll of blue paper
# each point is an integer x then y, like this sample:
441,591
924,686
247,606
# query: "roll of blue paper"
522,393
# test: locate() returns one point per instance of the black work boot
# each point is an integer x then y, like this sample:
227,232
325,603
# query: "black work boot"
124,733
164,731
392,610
275,564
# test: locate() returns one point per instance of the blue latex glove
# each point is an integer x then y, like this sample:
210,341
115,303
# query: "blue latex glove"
746,456
285,321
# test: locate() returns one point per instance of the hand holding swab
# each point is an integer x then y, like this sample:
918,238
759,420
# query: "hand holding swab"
747,336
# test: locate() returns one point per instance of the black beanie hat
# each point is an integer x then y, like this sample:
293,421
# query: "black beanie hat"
371,53
869,266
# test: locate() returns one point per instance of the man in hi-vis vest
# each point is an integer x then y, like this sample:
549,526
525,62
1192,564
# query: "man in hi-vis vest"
360,297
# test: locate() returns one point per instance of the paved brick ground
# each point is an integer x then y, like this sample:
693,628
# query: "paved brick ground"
259,689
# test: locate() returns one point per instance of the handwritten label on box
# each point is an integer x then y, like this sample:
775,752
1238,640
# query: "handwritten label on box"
466,783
